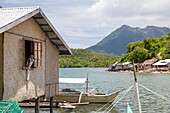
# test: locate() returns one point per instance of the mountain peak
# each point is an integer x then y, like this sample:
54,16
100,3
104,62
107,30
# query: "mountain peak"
116,42
151,27
124,26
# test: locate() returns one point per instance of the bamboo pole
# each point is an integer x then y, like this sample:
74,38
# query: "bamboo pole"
87,81
137,88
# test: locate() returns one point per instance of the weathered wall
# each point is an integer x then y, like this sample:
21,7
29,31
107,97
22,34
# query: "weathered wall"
52,69
168,65
15,85
1,66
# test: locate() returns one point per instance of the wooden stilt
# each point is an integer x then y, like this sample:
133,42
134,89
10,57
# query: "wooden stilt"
51,105
37,105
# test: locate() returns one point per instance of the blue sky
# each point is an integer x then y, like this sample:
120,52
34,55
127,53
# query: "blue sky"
83,23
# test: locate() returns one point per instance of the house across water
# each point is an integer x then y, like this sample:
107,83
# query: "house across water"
150,65
162,65
118,66
25,31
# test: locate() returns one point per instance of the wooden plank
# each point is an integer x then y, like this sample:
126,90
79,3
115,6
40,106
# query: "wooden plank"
23,54
27,37
37,18
42,104
41,55
44,25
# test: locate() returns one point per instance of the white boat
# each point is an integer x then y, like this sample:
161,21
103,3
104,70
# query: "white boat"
68,95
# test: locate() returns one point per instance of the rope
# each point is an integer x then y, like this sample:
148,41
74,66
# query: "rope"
105,105
80,97
120,98
162,97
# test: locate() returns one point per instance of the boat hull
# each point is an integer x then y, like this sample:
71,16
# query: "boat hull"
86,97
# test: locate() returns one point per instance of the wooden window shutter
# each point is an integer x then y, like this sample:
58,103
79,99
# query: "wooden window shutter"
41,54
23,53
38,54
35,55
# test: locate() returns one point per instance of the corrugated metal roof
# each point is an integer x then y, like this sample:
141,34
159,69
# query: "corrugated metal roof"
162,62
10,17
126,63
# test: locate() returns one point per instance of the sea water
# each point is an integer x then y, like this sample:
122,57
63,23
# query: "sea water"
111,81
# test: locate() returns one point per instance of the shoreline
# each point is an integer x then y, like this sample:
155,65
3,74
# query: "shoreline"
144,72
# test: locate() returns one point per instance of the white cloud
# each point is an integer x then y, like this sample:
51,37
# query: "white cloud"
130,8
83,23
101,6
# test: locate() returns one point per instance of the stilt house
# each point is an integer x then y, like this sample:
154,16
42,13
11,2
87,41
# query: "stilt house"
162,65
147,64
24,31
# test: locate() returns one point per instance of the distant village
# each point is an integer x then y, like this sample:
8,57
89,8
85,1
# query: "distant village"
151,65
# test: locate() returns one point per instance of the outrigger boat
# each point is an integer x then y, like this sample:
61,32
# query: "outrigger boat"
68,95
86,97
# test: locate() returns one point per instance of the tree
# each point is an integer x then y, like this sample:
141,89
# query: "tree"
140,54
86,58
148,48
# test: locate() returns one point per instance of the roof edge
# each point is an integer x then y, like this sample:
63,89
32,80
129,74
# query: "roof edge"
36,10
55,31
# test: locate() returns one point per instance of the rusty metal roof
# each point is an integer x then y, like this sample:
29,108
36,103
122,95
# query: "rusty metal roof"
10,17
149,61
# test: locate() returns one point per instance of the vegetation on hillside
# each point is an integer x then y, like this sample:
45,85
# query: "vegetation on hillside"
148,48
116,42
86,58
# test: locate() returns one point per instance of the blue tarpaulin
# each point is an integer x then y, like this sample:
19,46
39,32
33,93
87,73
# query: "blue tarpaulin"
9,106
129,110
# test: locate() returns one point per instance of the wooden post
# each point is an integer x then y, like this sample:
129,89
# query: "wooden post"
87,81
37,105
137,89
51,105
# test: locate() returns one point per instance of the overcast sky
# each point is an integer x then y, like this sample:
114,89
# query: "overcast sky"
83,23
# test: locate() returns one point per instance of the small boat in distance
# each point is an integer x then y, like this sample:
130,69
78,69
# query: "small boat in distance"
73,96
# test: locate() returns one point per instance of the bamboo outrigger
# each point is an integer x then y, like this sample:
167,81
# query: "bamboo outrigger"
79,97
86,97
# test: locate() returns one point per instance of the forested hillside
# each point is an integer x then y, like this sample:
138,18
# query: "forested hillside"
148,48
116,42
86,58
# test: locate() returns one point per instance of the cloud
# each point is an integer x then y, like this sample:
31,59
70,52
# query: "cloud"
130,8
135,13
83,23
102,7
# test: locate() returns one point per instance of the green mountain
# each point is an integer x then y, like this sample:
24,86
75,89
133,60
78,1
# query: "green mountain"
116,42
86,58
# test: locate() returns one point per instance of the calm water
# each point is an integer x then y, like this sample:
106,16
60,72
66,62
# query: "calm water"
111,81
